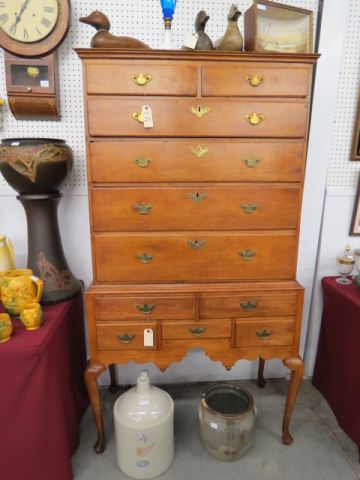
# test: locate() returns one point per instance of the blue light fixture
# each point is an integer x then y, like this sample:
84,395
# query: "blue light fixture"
168,8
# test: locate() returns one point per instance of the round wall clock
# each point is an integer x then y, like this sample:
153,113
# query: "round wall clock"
33,28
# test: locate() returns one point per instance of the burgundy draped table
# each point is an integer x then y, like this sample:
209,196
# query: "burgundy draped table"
42,395
337,368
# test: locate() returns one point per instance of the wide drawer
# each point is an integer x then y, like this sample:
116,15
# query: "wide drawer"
152,307
256,79
184,330
195,256
248,304
192,161
196,208
140,79
124,336
113,116
260,332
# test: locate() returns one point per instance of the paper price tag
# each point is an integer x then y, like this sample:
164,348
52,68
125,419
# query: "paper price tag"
261,7
148,337
44,83
191,40
148,116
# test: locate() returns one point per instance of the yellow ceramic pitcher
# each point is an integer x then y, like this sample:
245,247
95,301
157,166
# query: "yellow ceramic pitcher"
18,288
6,254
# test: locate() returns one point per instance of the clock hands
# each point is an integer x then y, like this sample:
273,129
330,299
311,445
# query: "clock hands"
18,17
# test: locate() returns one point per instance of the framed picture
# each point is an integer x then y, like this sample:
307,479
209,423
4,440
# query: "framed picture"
275,27
355,222
355,147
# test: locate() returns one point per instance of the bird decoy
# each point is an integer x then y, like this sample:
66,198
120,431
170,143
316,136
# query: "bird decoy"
103,38
204,41
232,40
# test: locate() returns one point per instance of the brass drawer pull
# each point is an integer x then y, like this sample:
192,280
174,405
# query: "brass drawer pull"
248,306
196,244
199,151
126,338
139,117
254,80
265,334
199,111
142,162
144,257
141,79
255,118
198,196
249,208
247,255
146,308
142,208
198,331
251,162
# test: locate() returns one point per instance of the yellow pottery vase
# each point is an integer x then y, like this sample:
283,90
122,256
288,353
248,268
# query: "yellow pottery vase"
31,316
6,254
18,289
5,327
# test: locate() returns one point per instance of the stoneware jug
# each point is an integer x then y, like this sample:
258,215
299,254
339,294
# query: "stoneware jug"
144,430
6,254
19,288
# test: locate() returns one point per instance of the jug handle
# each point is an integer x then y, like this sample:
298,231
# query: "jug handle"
39,287
11,249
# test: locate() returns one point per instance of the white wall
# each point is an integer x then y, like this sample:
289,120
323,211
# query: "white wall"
73,211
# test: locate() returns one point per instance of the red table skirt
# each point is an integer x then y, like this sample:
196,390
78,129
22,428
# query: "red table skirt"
42,395
337,368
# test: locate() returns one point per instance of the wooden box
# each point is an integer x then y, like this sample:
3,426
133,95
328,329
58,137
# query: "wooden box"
274,27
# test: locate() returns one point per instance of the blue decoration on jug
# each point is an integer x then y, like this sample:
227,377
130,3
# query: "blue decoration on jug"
168,9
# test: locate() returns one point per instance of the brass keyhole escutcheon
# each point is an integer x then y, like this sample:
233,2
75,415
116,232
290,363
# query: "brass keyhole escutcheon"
142,162
196,244
255,118
199,111
255,80
199,151
198,197
141,79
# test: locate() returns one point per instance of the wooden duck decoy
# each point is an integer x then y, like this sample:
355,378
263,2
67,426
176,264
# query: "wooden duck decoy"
232,40
204,41
103,38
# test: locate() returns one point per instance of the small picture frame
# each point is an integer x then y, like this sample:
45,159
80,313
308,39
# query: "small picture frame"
355,222
355,146
275,27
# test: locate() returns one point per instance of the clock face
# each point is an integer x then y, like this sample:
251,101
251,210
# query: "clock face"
28,21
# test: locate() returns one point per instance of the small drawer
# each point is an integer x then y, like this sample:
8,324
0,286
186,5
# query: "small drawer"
190,208
140,79
124,336
260,332
151,307
256,80
117,117
197,160
185,330
250,304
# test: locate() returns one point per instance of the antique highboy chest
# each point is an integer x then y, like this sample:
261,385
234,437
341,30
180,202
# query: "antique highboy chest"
195,222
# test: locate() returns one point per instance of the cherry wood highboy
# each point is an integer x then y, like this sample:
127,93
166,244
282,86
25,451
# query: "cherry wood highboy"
195,222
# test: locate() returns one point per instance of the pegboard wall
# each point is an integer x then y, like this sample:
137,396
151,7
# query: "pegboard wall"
342,172
137,18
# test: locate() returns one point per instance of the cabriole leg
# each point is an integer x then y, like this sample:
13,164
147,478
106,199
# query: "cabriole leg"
114,384
93,371
296,366
261,379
